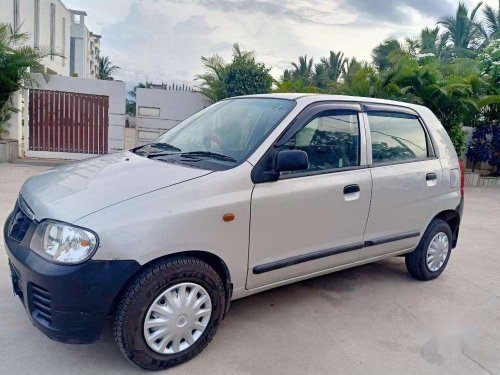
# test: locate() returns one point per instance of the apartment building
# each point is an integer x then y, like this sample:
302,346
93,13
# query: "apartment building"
51,25
85,47
48,23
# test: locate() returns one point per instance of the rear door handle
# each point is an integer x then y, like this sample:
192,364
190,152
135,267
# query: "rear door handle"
349,189
431,176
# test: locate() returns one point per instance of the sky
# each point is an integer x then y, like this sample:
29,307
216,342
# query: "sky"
163,40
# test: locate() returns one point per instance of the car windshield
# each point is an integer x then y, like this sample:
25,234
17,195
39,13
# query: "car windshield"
225,133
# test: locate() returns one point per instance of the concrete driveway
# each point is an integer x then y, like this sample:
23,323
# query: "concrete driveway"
372,319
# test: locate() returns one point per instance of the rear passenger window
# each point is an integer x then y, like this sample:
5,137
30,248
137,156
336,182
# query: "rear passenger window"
331,141
396,137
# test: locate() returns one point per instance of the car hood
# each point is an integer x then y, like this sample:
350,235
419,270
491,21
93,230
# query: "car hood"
75,190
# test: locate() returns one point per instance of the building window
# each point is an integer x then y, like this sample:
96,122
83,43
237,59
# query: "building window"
149,111
63,44
76,19
36,34
16,21
52,29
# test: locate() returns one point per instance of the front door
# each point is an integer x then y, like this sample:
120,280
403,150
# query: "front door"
314,220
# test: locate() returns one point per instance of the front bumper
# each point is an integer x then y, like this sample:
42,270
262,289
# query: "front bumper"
67,303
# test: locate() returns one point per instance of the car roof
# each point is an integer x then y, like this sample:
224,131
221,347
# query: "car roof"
311,98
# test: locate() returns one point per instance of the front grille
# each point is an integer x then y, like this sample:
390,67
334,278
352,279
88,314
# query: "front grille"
41,303
19,224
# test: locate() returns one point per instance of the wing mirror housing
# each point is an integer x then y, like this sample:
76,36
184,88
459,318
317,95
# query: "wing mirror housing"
291,161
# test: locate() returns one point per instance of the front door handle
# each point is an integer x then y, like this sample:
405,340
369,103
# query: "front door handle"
431,176
349,189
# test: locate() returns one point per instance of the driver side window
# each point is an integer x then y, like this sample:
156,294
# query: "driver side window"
331,141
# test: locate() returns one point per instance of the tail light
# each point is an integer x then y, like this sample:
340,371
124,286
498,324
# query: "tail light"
462,177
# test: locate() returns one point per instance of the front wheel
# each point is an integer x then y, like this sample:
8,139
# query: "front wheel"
169,313
431,256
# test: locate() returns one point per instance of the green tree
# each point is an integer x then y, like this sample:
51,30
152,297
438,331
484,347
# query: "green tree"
491,23
16,60
385,52
106,68
295,86
212,81
243,76
462,31
303,69
334,65
432,42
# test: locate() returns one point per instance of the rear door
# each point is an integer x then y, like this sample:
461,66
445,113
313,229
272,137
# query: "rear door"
314,220
407,179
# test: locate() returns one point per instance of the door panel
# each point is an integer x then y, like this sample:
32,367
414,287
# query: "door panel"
306,224
407,181
403,201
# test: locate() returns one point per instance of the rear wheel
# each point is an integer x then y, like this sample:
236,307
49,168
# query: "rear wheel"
431,256
170,313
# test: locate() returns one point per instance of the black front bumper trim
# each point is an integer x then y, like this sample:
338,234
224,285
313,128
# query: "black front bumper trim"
81,296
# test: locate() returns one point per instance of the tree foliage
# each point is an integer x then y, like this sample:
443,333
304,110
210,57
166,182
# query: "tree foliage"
16,60
106,68
485,145
452,68
242,76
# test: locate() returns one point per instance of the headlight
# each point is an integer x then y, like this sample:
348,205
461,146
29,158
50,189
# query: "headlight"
63,243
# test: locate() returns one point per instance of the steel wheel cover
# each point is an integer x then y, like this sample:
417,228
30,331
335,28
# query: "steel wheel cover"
437,252
177,318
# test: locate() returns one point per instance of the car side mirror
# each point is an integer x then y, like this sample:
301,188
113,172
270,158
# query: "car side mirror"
291,160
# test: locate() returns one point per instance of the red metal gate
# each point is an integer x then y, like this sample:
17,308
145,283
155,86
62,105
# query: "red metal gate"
68,122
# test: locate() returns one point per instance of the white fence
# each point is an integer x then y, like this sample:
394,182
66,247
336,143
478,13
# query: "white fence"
159,110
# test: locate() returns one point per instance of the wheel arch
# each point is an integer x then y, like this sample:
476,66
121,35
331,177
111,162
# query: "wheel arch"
210,258
452,217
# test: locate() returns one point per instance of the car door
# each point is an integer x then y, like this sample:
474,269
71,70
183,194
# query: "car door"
314,220
407,179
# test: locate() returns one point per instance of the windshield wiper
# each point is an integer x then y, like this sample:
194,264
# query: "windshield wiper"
164,146
156,149
209,154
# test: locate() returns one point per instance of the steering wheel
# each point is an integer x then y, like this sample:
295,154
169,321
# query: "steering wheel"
212,139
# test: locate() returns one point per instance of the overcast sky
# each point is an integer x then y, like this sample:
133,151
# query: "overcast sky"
163,40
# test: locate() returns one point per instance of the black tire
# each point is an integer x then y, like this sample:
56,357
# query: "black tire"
416,263
130,313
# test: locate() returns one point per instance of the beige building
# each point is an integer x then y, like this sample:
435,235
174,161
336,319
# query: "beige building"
47,22
85,47
50,25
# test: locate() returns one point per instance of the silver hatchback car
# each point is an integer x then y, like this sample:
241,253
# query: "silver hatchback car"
247,195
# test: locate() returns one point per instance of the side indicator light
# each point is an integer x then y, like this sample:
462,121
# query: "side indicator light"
228,217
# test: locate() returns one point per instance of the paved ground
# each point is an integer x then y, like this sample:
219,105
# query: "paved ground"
368,320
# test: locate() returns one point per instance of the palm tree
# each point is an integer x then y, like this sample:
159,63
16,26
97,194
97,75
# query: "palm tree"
385,52
304,69
140,85
335,65
212,81
16,59
320,76
431,42
242,56
462,31
106,68
491,21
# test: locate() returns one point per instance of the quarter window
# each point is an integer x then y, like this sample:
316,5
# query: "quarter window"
396,137
331,141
